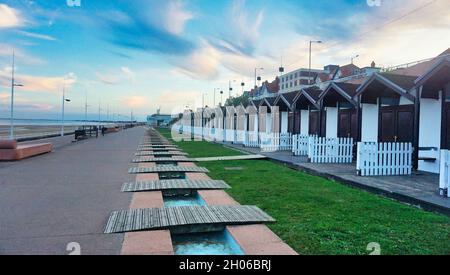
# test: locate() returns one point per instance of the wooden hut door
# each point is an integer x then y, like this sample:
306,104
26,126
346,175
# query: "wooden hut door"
446,126
291,122
314,123
348,124
396,124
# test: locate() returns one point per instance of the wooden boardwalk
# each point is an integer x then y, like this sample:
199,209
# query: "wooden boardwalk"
159,185
153,159
151,153
167,168
173,217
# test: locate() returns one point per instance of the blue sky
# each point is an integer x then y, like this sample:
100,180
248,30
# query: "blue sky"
141,54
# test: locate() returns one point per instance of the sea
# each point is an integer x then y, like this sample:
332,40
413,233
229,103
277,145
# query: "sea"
50,122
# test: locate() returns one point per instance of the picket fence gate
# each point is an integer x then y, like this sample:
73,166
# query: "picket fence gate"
384,159
330,150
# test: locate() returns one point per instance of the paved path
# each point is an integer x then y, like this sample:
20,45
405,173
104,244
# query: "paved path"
51,200
419,189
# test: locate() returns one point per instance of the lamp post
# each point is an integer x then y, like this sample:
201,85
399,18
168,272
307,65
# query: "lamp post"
13,84
256,69
310,46
230,88
221,98
354,57
64,100
214,101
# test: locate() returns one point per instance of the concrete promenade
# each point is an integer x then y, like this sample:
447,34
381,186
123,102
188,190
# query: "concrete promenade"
51,200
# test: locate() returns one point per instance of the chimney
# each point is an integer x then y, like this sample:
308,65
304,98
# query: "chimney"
373,64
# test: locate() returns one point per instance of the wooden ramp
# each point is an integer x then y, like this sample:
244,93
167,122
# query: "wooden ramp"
157,146
151,153
243,157
159,185
167,169
173,217
152,159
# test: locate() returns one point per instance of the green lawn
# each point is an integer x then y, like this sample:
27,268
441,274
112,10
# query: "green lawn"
318,216
200,149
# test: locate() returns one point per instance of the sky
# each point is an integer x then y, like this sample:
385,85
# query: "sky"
140,55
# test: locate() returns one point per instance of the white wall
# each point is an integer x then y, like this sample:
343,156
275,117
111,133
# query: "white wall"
369,125
269,123
304,122
284,122
430,133
332,122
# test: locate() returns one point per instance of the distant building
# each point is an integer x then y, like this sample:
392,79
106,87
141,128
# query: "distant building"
159,119
266,90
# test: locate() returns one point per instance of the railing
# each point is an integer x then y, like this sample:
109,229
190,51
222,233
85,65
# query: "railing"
300,145
384,159
252,139
444,176
330,150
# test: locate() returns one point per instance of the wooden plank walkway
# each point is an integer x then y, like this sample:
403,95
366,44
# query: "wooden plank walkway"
151,153
173,217
159,185
157,146
244,157
153,159
167,168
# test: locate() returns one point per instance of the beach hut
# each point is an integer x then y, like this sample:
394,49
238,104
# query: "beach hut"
285,103
219,124
306,103
230,124
252,133
341,110
241,123
433,87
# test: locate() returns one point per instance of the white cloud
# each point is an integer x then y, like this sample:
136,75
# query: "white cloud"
37,36
202,64
9,17
124,74
176,17
37,83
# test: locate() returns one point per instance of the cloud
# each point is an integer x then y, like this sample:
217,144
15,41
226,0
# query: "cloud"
9,17
22,56
242,32
157,29
23,104
174,101
37,83
135,101
37,36
124,74
202,64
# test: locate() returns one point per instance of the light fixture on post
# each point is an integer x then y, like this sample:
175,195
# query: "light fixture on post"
13,85
64,100
242,86
354,57
310,46
230,89
257,78
221,98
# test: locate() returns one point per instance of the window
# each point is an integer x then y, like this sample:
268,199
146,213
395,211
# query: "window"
296,75
296,83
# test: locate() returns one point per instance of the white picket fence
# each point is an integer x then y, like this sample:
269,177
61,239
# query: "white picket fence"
330,150
230,135
444,176
300,145
272,142
240,137
384,159
252,139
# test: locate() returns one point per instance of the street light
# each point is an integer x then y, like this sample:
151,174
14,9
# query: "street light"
310,45
354,57
64,100
214,101
230,88
256,69
221,98
13,84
